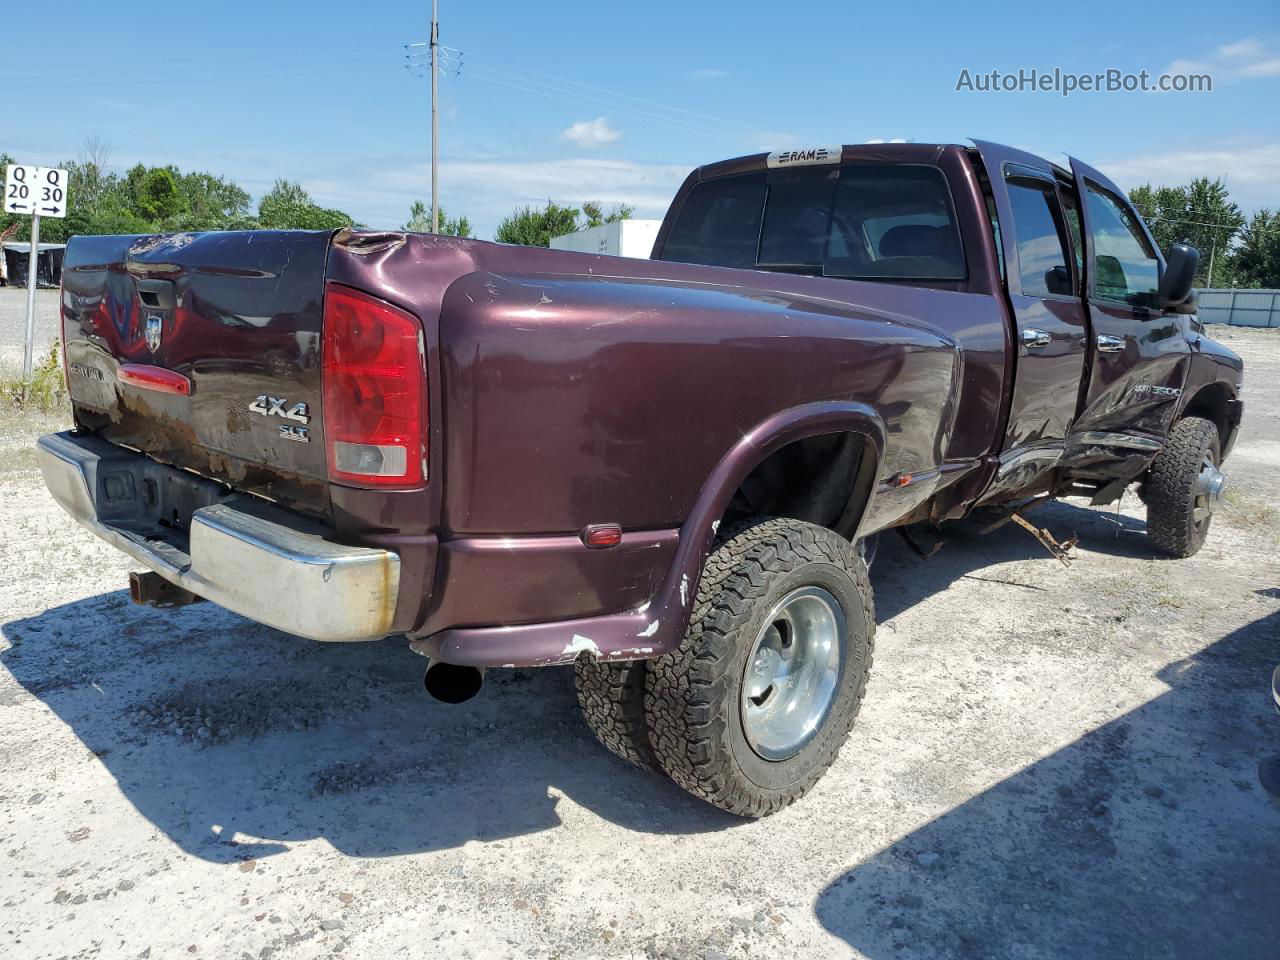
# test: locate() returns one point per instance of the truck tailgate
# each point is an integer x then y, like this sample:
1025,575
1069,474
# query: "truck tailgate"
203,351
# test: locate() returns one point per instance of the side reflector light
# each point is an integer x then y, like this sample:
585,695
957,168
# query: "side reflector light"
374,397
602,535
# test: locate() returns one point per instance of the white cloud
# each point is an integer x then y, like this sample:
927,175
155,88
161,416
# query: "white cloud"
1250,172
770,140
591,134
1246,59
486,189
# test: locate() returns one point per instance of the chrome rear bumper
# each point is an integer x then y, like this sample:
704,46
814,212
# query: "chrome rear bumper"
242,553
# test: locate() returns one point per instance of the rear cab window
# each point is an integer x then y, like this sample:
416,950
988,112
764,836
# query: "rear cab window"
1042,244
861,221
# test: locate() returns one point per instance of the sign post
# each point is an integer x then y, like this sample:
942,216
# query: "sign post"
38,191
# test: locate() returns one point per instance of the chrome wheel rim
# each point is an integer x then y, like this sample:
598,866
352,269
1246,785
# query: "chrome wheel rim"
1207,491
793,672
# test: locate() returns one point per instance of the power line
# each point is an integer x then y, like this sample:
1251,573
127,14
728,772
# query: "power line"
1209,223
526,85
627,96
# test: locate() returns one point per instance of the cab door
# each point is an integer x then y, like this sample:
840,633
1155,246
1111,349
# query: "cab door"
1138,355
1043,285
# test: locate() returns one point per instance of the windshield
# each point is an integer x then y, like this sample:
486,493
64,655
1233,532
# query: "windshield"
860,221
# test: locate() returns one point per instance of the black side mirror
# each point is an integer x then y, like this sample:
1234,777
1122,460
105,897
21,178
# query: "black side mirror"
1057,280
1179,275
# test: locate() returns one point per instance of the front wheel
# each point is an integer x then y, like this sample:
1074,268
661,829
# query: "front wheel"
756,702
1183,488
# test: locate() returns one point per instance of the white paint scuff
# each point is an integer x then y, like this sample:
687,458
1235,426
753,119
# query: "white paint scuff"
580,644
650,630
684,590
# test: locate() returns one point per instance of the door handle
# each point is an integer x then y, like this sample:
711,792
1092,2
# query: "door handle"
1031,339
1108,344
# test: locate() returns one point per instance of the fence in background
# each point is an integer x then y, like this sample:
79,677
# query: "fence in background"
1240,307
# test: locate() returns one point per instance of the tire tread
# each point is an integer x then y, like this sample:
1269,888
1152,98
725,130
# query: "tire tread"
1169,489
611,696
684,701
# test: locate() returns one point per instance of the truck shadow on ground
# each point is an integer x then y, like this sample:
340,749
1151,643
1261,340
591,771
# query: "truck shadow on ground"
235,739
1147,837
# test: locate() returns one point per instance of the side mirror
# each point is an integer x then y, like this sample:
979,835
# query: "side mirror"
1179,274
1057,280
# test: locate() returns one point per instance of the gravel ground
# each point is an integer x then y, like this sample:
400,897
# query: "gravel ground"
1051,763
13,322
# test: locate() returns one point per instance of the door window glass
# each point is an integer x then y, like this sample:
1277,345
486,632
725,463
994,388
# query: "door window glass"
1125,268
1042,257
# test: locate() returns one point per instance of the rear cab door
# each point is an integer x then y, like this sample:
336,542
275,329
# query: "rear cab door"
1051,335
1138,356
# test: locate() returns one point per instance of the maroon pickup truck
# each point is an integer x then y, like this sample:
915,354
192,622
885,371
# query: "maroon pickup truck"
660,471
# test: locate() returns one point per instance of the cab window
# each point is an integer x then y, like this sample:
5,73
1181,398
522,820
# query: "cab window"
1125,267
719,223
890,222
1041,239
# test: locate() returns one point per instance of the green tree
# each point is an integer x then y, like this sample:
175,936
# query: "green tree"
158,197
287,206
1256,261
420,222
212,203
1162,208
535,228
595,217
110,215
1200,213
1213,222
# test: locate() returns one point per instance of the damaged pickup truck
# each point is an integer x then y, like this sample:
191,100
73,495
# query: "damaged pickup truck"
659,471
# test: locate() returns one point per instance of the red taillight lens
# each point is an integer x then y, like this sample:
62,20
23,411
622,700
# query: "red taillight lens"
374,403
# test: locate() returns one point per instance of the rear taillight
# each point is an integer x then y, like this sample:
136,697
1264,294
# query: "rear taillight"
374,402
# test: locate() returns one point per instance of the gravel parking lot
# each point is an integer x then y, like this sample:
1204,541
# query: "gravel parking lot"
13,322
1051,763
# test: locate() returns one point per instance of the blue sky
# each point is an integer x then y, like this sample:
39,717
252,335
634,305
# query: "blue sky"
575,100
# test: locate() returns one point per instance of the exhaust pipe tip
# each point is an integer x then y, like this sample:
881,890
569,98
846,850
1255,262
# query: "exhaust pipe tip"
450,683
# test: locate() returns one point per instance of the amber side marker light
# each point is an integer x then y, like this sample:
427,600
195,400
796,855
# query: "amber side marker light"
374,391
602,535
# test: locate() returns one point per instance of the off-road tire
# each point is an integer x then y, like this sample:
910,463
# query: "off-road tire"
693,694
611,696
1169,489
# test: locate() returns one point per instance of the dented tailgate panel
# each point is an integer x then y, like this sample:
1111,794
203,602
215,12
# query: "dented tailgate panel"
238,315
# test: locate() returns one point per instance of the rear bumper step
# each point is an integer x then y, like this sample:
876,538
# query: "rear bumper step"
243,554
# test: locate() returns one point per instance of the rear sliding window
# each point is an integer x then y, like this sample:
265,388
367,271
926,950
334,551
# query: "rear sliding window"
861,221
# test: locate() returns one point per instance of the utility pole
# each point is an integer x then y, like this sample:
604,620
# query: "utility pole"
435,120
33,260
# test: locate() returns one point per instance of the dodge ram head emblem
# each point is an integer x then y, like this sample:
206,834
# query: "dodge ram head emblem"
155,330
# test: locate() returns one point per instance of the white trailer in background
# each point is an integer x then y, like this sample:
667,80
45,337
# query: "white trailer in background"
622,238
